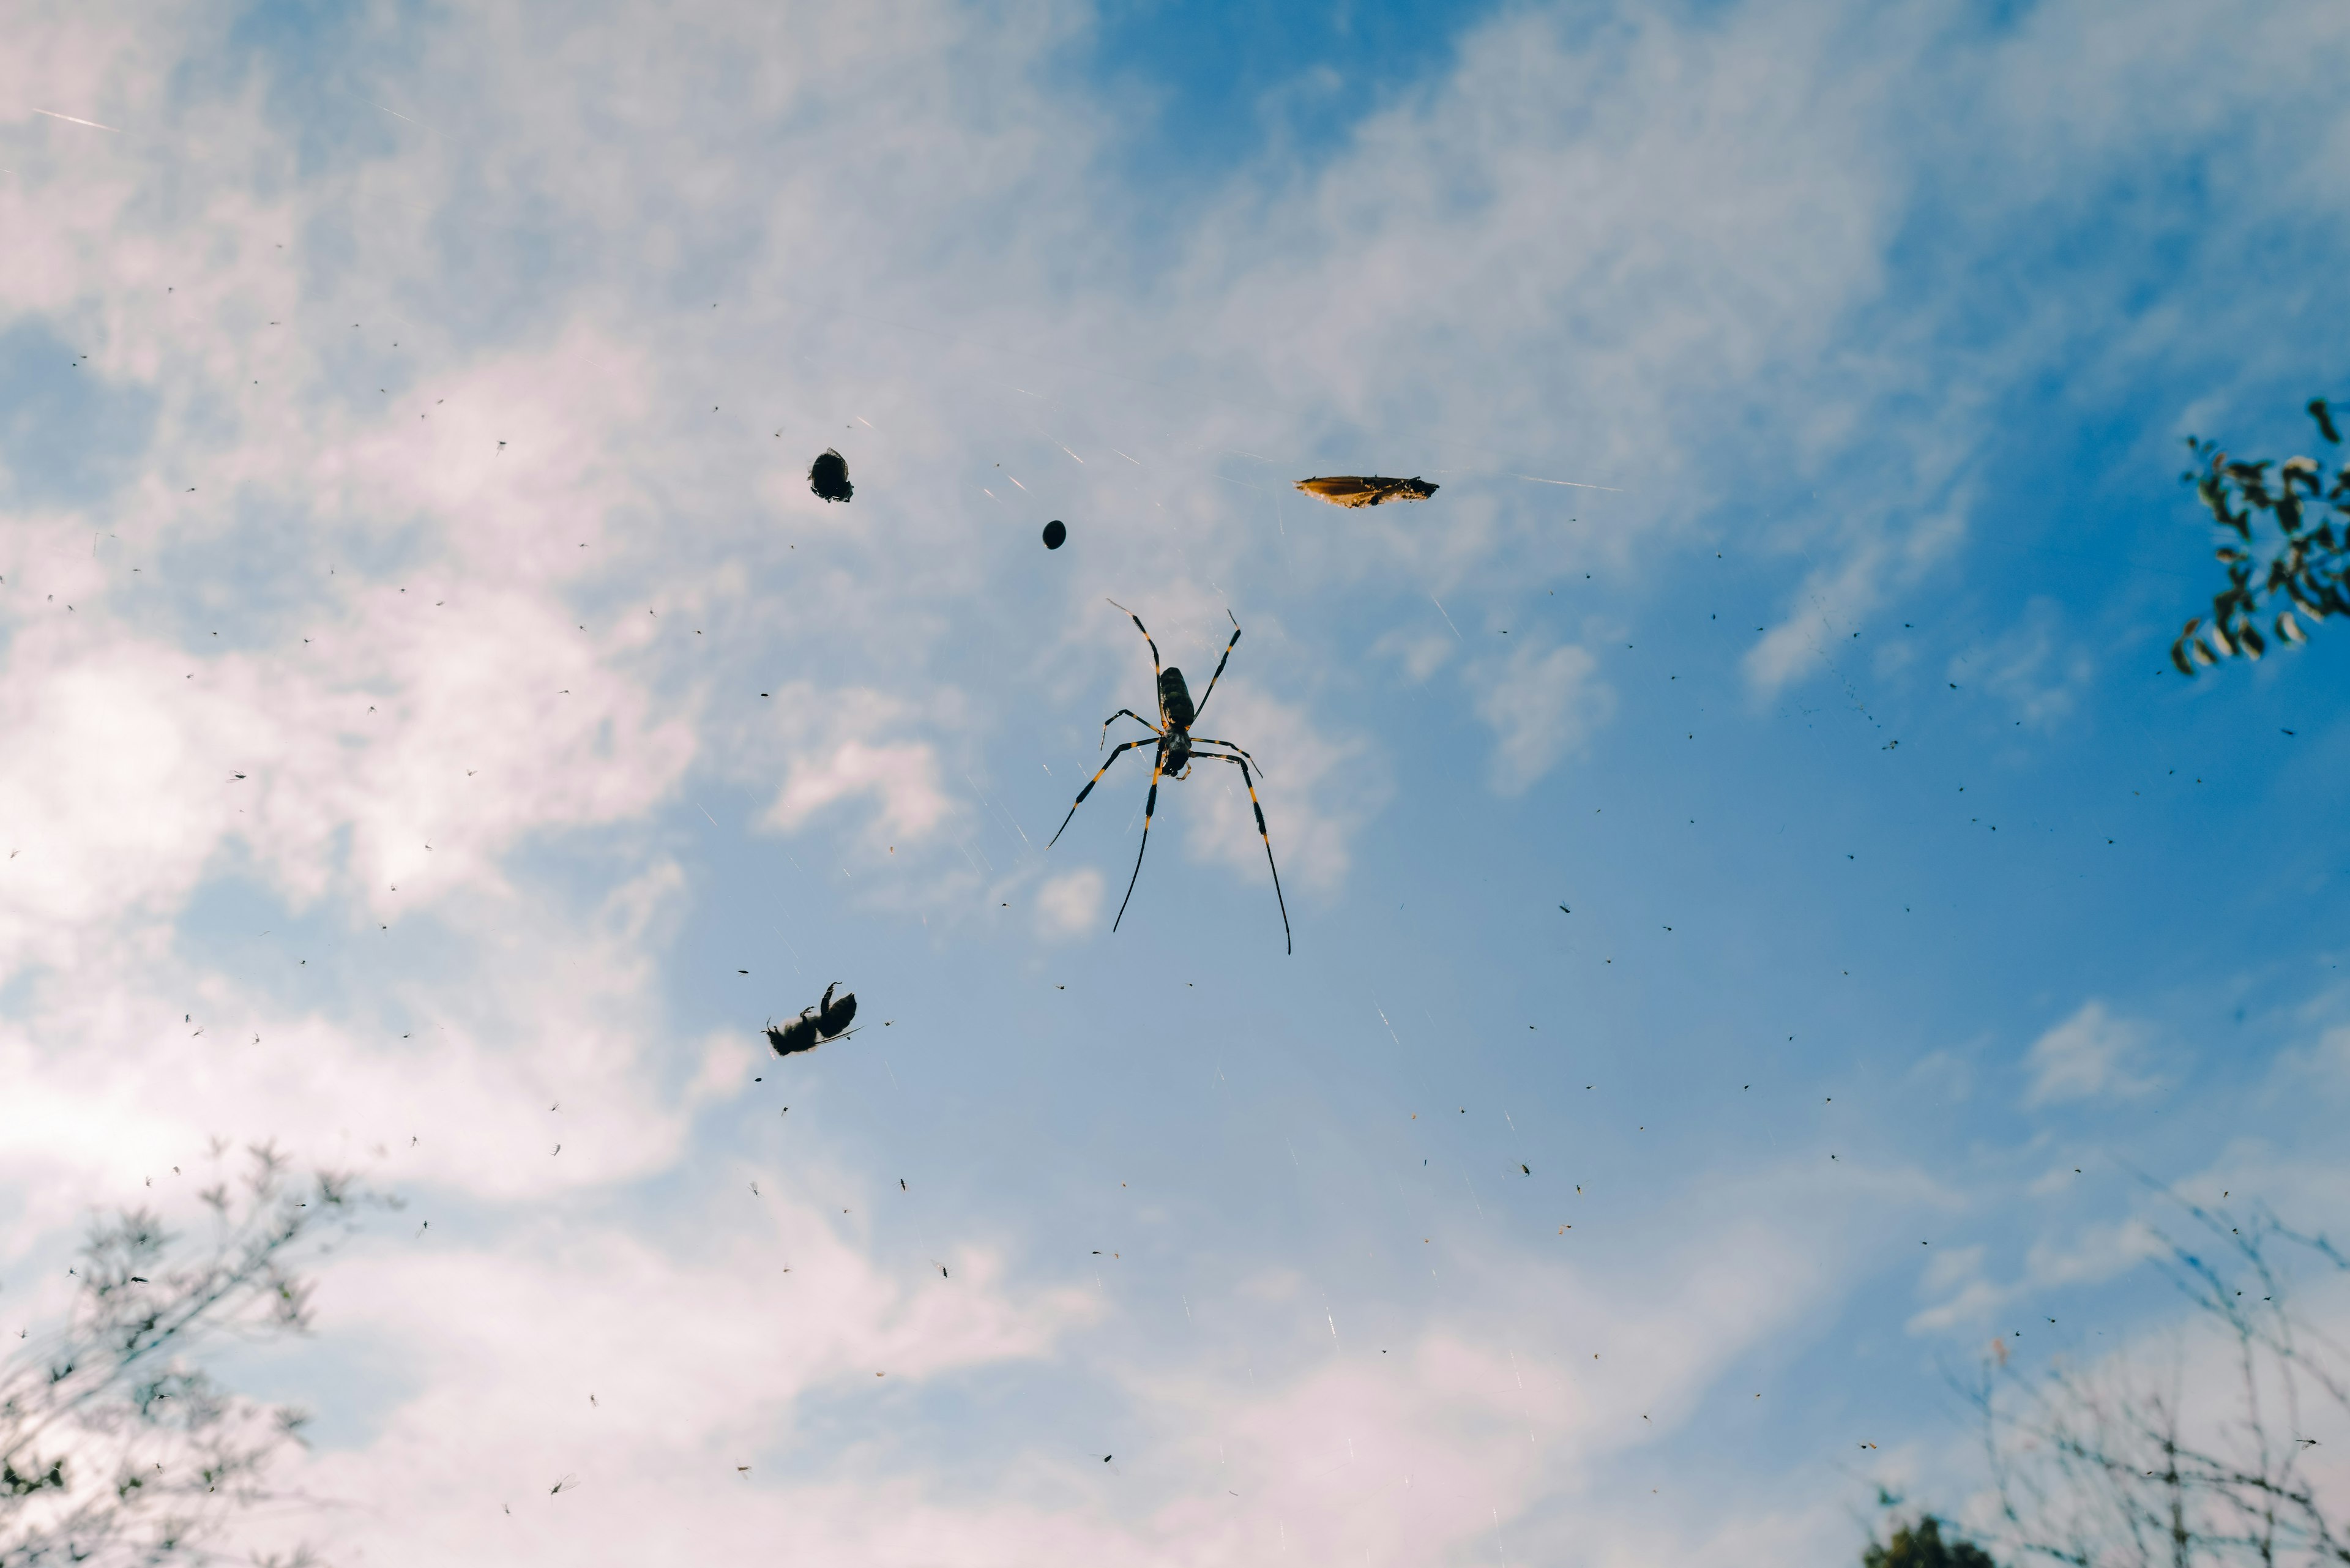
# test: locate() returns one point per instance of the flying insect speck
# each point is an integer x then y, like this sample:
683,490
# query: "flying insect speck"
1355,489
1177,749
828,1020
1057,534
829,476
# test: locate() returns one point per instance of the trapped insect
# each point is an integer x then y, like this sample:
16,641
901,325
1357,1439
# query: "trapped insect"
1177,748
829,476
828,1020
1358,489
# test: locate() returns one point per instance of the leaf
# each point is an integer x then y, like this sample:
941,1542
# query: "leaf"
2289,629
2179,657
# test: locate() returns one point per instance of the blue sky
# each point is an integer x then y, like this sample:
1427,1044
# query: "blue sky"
1805,387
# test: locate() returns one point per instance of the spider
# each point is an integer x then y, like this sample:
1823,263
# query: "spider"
1177,749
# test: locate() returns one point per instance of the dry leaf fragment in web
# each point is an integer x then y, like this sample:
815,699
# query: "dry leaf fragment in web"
1356,489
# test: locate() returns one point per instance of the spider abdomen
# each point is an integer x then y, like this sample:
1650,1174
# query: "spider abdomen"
1174,699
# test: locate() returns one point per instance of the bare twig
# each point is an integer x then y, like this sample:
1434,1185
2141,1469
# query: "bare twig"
115,1446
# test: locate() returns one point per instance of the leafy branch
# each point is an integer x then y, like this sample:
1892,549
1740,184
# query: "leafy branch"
2304,564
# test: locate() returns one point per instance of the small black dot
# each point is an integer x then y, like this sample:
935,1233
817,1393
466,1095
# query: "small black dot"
1055,534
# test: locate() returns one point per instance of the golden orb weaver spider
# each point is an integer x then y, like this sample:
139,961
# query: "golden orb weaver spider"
1178,748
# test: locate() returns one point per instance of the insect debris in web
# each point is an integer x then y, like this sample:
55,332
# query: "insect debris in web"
829,476
1176,748
828,1019
1358,489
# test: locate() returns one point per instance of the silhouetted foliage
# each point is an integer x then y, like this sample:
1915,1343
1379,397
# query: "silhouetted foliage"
115,1446
2115,1465
2310,516
1920,1545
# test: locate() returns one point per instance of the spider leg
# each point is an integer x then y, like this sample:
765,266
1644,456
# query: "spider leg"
1129,713
1150,804
1123,746
1219,675
1146,637
1287,940
1212,741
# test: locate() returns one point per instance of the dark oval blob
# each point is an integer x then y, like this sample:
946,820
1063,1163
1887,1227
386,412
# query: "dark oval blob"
829,476
1055,534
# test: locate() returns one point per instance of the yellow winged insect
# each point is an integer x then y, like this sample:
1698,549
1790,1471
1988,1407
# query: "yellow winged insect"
1356,489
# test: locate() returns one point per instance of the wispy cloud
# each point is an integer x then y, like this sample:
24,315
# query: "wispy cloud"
1543,705
2091,1056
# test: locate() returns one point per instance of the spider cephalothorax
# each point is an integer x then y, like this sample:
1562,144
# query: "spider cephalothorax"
1177,749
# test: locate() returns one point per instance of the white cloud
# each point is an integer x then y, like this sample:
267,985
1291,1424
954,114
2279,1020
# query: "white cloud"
2031,666
1971,1306
1881,559
1422,654
2091,1255
2090,1055
2097,1253
1069,905
1318,789
1951,1266
850,755
704,1355
1543,707
447,1078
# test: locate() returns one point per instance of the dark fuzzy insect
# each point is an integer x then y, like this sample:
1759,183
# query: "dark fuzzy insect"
1354,489
828,1020
829,476
1057,534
